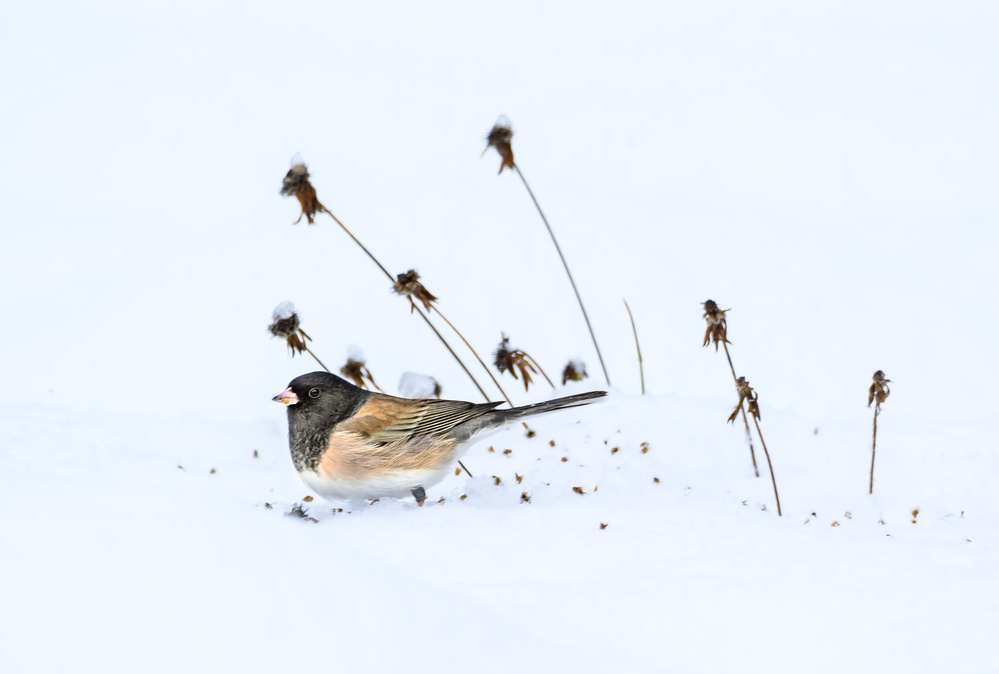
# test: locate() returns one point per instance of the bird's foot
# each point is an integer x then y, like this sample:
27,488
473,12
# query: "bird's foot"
420,495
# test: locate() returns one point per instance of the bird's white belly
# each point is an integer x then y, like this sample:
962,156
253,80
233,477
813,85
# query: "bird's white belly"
399,484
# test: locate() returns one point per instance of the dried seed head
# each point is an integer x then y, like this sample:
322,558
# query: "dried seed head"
746,393
513,360
499,137
298,510
717,327
409,285
525,497
575,370
879,389
286,325
296,182
503,355
296,178
356,371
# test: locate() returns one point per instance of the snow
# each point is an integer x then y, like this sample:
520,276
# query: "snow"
826,171
355,352
413,385
283,310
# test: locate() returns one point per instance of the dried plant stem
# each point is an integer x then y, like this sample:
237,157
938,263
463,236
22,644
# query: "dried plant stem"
567,272
767,454
444,342
309,351
530,358
474,353
749,436
372,380
641,369
874,444
373,258
417,310
413,304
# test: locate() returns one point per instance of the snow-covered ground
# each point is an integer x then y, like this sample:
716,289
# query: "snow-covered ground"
828,172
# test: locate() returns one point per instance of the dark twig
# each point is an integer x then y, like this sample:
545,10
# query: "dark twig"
749,396
309,351
879,392
874,445
767,454
749,436
474,353
567,272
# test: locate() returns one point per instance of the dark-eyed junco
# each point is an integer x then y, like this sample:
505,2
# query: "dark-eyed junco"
350,443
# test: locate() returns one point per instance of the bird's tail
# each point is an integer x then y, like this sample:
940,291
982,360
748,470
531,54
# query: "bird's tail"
577,400
490,422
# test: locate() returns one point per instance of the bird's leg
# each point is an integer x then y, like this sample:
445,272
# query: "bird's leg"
420,495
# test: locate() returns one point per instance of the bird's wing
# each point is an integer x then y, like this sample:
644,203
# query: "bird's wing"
387,419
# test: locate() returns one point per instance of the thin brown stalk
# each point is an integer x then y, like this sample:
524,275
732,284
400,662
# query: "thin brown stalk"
567,272
749,436
444,342
530,358
874,444
413,304
309,351
373,258
474,353
772,478
641,369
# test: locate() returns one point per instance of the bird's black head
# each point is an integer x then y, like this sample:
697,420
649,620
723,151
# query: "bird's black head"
321,395
317,402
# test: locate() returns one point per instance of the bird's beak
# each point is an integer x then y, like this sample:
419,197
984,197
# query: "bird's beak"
287,397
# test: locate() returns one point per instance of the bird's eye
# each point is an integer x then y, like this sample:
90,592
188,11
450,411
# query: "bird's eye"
315,393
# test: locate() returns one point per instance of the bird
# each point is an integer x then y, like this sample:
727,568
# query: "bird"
347,442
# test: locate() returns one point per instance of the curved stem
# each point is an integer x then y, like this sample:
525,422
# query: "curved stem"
536,364
567,272
444,342
309,351
474,353
641,369
372,380
874,444
772,478
749,437
373,258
